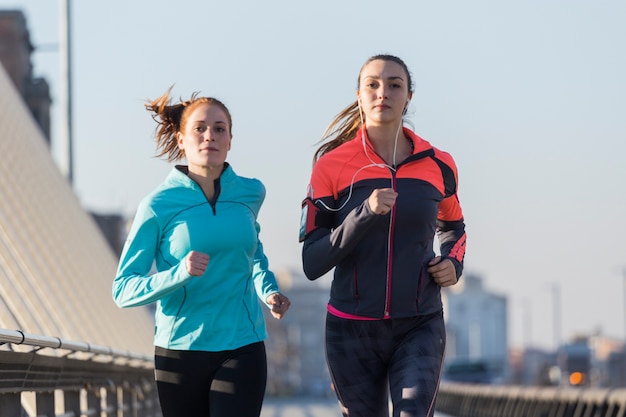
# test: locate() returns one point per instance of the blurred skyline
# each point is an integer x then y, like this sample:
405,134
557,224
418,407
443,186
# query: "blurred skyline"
528,97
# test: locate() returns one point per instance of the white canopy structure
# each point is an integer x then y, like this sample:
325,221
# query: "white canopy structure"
56,268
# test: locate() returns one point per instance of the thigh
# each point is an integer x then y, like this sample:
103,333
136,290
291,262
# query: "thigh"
238,386
182,379
416,366
356,352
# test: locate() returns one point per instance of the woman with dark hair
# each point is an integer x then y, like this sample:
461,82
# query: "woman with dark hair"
378,196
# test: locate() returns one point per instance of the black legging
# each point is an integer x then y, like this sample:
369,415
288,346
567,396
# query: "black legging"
211,384
370,358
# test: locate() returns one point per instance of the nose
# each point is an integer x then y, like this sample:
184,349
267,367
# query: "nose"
208,136
382,92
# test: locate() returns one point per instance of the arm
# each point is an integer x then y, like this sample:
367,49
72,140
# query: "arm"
450,226
133,284
327,241
324,246
265,282
451,232
266,285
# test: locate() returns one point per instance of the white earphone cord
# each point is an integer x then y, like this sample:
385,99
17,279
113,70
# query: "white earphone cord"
373,164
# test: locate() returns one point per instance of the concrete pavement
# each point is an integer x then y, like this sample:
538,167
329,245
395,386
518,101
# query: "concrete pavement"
304,407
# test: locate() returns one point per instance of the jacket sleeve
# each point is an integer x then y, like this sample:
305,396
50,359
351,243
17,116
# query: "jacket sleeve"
451,227
325,246
265,282
134,284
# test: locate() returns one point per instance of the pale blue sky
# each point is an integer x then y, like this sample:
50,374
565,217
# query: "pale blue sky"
529,97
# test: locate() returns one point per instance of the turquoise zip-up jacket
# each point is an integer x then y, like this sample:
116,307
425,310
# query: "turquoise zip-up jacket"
219,310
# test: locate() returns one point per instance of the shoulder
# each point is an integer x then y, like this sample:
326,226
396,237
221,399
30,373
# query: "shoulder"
343,150
334,160
243,186
445,157
422,144
177,188
448,170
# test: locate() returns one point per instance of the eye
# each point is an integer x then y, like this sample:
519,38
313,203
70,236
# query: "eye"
220,129
395,84
199,128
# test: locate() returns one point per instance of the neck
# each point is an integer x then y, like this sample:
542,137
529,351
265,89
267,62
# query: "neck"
205,173
205,177
389,142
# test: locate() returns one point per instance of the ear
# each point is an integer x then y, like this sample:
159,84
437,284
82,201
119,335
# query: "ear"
179,140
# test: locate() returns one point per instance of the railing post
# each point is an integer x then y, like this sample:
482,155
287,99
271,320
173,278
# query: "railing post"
128,400
149,403
11,404
71,399
111,400
94,401
141,401
148,398
155,406
45,403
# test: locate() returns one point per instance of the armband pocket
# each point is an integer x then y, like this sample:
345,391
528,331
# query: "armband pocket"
307,218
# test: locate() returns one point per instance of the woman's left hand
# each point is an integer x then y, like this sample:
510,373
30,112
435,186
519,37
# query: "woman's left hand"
279,303
442,271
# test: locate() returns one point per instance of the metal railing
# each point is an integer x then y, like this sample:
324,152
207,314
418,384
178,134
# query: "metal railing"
62,378
474,400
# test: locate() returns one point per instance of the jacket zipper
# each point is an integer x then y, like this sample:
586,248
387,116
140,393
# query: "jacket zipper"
392,216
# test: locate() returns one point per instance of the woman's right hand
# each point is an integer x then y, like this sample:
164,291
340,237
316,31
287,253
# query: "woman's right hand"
196,263
381,200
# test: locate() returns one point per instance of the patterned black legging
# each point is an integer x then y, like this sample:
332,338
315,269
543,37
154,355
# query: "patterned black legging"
370,358
211,384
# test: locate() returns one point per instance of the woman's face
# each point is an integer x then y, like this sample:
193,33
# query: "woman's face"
383,92
206,138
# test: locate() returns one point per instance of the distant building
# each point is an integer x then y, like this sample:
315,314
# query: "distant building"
615,370
537,367
608,361
295,346
593,361
113,227
15,56
476,325
574,361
